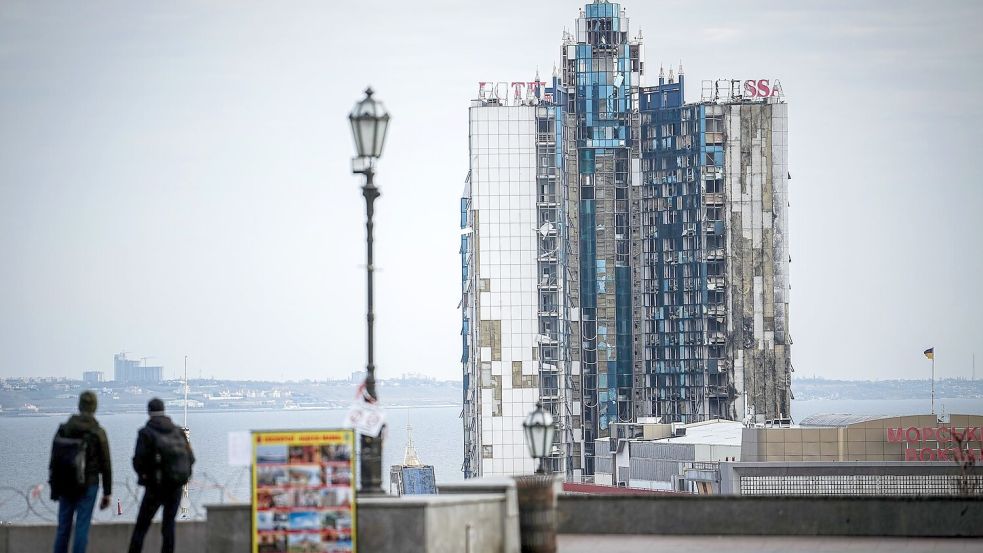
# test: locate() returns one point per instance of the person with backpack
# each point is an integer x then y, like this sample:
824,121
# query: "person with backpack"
162,460
79,456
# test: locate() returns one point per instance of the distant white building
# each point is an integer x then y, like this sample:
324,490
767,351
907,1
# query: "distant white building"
192,403
92,377
130,371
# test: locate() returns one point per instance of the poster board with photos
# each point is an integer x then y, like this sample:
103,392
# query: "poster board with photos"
303,491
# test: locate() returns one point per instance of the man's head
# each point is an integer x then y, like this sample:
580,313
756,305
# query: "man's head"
88,402
155,407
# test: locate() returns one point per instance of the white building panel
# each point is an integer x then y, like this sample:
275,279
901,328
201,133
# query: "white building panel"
503,188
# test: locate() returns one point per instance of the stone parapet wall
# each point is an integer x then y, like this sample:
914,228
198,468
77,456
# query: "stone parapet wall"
772,516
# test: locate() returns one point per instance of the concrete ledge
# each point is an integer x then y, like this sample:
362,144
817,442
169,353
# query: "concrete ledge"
409,524
394,502
229,528
113,536
432,523
419,524
772,516
502,485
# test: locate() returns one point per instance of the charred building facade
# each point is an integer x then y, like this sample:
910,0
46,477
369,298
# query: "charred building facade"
712,304
623,252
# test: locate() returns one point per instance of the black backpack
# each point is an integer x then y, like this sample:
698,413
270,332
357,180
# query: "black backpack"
173,459
66,474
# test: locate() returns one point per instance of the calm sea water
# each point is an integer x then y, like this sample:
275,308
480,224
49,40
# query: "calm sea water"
437,434
25,443
887,407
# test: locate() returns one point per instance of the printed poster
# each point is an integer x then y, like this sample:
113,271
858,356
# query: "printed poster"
303,491
418,480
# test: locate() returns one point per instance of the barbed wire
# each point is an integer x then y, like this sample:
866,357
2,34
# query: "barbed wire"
34,504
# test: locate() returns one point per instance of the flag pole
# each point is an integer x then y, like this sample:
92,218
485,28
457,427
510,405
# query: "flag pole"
933,382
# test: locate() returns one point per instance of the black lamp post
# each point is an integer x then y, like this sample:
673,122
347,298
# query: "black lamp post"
370,121
539,430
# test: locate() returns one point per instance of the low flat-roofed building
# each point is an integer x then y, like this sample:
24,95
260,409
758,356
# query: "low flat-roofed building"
671,457
860,455
867,438
823,454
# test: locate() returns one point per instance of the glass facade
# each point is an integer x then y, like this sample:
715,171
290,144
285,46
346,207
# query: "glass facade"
597,93
679,242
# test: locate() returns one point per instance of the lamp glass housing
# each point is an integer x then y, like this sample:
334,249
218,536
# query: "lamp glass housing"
370,122
539,430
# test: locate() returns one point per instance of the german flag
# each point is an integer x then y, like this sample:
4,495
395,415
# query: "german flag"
930,353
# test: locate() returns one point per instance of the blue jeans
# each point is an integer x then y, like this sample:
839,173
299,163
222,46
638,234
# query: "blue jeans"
81,509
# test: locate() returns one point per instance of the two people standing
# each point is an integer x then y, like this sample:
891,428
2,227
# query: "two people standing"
80,455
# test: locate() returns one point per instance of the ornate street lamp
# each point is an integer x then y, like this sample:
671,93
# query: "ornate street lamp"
539,430
370,121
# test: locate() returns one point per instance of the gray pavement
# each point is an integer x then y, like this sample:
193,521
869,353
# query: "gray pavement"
594,543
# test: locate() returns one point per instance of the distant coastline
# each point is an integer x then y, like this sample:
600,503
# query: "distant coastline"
44,396
945,388
30,397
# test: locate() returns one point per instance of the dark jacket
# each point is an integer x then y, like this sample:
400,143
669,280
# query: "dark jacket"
145,460
97,460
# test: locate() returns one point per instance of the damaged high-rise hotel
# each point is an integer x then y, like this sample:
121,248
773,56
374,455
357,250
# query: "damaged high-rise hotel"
623,252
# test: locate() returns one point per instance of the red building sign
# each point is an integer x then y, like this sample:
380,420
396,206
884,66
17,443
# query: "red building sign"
939,443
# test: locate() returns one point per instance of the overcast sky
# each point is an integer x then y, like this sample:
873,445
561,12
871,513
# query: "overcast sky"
174,176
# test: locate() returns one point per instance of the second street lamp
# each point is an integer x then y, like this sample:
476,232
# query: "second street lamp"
539,430
370,122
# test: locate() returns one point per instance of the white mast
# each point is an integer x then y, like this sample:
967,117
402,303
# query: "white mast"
185,391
